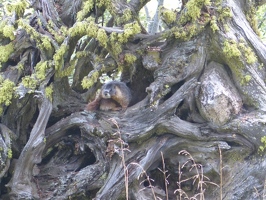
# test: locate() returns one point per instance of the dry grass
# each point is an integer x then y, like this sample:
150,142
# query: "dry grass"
198,178
164,171
221,172
123,148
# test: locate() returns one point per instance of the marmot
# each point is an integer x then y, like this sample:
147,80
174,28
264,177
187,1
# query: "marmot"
114,95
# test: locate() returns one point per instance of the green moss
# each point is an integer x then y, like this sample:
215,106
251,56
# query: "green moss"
126,17
213,24
20,67
9,153
58,35
193,11
116,48
102,37
5,52
118,39
103,3
245,79
224,13
79,29
41,68
130,30
179,33
262,147
29,82
248,52
235,156
92,30
235,50
187,32
113,37
251,17
130,58
87,6
192,31
84,28
49,92
42,41
8,32
226,28
18,7
6,92
230,49
66,72
168,15
59,57
46,44
87,82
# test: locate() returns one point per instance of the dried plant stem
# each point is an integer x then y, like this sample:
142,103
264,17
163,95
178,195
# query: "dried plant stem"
199,177
125,170
164,171
221,172
264,191
147,178
122,148
179,180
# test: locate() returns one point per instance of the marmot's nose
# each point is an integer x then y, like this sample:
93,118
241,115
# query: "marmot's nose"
105,93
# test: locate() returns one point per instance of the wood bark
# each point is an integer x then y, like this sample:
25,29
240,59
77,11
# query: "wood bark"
194,127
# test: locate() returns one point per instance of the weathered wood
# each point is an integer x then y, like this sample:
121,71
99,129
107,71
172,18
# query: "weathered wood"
21,184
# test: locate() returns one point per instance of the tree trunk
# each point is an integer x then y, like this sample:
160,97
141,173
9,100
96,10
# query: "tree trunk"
195,127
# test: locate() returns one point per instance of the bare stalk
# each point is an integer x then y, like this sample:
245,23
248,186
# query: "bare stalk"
221,172
264,191
199,177
122,148
164,171
147,178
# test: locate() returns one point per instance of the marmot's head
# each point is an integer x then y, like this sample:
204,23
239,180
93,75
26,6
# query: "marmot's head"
108,90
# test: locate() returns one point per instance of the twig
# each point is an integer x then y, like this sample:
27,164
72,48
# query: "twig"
221,173
164,171
147,178
264,191
122,147
199,177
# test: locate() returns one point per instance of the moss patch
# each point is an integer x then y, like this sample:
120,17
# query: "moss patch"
5,52
8,32
49,92
87,82
168,15
17,7
41,68
230,49
130,58
59,57
213,24
29,82
87,6
6,92
102,37
193,10
262,147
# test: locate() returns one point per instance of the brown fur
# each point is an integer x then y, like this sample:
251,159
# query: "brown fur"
114,95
